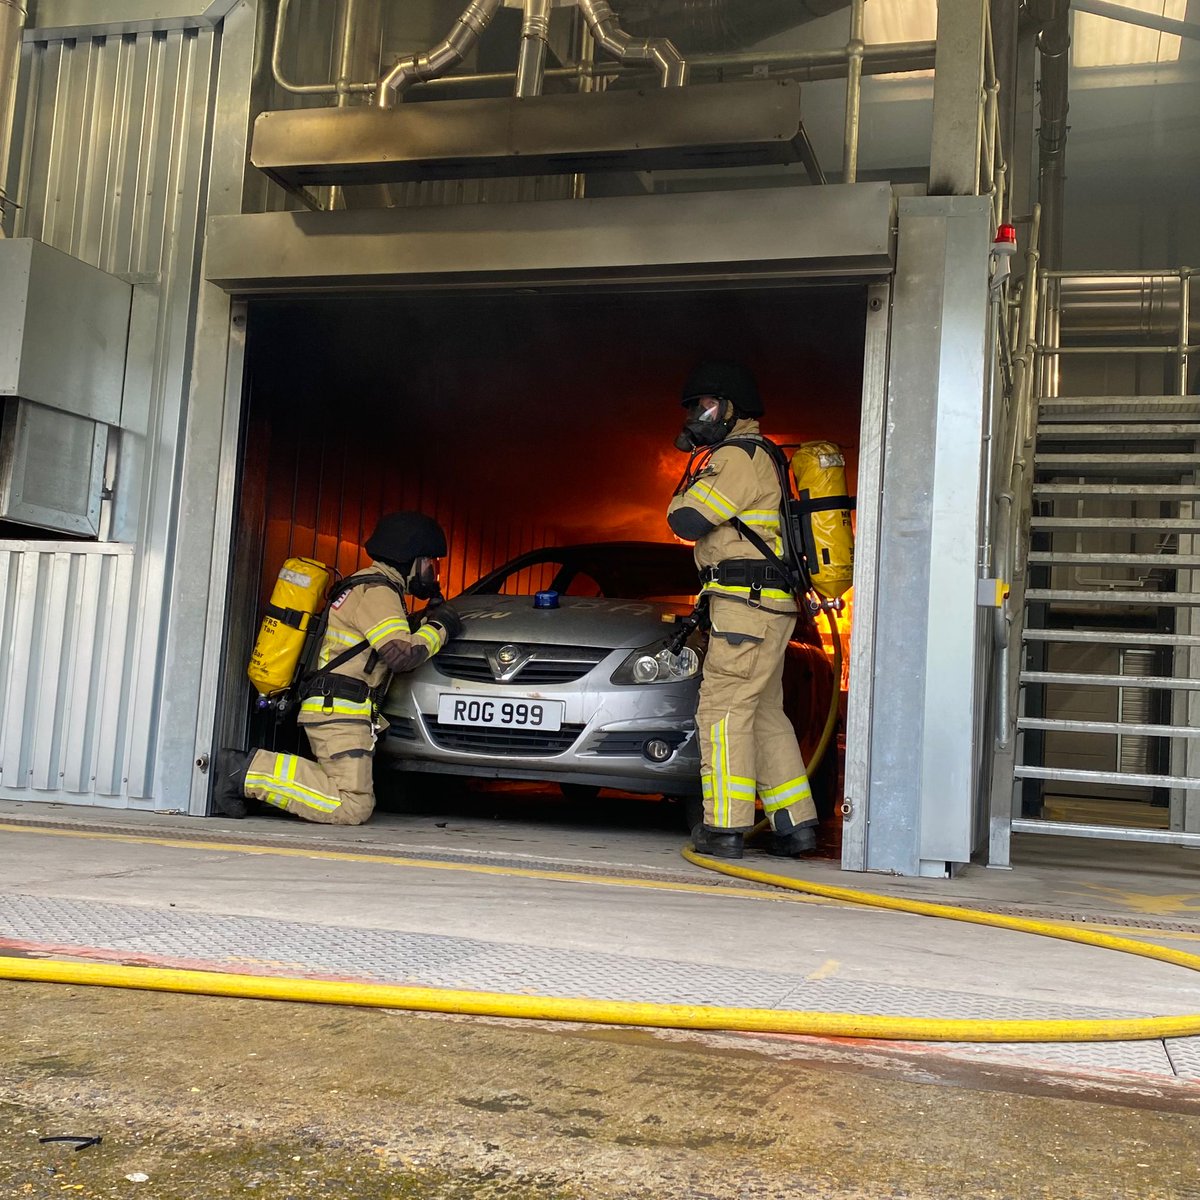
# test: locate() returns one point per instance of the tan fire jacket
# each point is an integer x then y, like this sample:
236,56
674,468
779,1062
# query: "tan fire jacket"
736,484
377,614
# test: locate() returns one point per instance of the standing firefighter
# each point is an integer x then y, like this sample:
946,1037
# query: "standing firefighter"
730,493
366,639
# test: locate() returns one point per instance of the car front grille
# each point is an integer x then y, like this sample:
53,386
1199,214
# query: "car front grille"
509,742
546,665
464,666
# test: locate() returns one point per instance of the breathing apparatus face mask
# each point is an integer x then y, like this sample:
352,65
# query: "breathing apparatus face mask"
709,420
424,579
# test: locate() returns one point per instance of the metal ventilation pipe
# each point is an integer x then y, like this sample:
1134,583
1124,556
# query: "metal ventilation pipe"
609,35
1124,308
535,34
12,21
448,53
703,26
1054,43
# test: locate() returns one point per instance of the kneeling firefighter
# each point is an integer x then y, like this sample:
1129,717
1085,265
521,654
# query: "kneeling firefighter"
729,498
366,638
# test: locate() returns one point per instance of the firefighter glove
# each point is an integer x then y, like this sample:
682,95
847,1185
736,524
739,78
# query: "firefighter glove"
403,656
449,620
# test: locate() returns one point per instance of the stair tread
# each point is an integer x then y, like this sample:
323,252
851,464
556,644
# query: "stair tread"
1149,524
1164,430
1118,637
1050,724
1167,491
1168,562
1087,678
1078,775
1110,596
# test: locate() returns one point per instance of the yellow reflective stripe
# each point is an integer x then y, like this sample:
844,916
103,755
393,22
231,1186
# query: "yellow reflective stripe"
281,786
785,794
387,630
430,637
767,524
720,807
340,708
730,589
712,500
334,642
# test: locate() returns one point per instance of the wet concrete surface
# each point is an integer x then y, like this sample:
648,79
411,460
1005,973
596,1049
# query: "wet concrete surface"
213,1098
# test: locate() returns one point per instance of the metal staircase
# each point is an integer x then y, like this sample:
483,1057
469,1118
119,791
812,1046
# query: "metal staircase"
1104,636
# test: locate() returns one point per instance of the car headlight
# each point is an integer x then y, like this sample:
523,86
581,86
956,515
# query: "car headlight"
657,664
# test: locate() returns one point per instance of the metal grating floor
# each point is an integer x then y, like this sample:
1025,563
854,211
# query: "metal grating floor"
282,947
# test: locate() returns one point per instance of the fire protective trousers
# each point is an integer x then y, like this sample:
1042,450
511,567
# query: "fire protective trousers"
337,789
747,743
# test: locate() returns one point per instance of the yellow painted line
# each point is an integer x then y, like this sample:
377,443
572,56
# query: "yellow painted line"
777,894
391,860
829,967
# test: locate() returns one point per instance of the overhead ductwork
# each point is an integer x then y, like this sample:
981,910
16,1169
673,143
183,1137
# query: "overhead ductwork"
706,26
448,53
658,52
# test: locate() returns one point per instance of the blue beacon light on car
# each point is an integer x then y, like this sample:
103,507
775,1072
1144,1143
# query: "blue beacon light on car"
545,600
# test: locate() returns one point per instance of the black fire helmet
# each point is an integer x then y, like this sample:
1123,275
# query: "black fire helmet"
401,537
731,381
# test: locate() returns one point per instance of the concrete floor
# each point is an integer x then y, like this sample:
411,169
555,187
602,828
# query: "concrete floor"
631,920
518,891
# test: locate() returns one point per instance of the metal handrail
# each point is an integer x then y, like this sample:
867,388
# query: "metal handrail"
993,168
1182,347
1016,499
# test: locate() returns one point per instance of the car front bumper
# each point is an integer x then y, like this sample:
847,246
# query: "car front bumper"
603,739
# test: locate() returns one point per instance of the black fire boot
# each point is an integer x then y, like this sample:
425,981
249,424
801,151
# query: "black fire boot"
229,782
719,843
790,841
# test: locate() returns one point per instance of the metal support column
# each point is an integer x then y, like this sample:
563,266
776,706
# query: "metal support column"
861,700
924,761
191,653
957,95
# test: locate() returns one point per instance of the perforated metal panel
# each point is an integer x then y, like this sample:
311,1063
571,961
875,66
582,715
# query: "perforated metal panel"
142,934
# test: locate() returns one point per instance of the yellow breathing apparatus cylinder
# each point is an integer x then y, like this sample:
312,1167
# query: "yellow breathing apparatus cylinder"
820,472
299,594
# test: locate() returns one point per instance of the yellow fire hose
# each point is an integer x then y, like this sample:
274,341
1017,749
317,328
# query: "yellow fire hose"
832,716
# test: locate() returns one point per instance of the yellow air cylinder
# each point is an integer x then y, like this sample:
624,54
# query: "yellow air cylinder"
820,472
299,594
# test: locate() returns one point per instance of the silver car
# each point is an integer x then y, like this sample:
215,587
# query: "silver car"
586,693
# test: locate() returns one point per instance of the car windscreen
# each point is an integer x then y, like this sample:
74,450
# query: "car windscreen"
663,574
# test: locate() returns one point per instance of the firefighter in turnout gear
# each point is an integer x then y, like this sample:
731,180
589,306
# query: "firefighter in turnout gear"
367,638
748,747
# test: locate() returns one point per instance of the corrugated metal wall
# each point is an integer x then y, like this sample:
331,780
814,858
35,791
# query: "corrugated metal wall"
112,144
63,635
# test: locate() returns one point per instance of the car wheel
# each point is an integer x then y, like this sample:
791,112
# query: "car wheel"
579,793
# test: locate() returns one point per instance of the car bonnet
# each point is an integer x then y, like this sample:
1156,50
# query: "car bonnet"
578,621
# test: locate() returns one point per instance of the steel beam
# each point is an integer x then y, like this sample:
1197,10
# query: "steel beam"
52,19
772,233
743,124
957,99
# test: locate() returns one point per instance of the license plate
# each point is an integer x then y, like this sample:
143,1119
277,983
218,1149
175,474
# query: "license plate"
456,709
